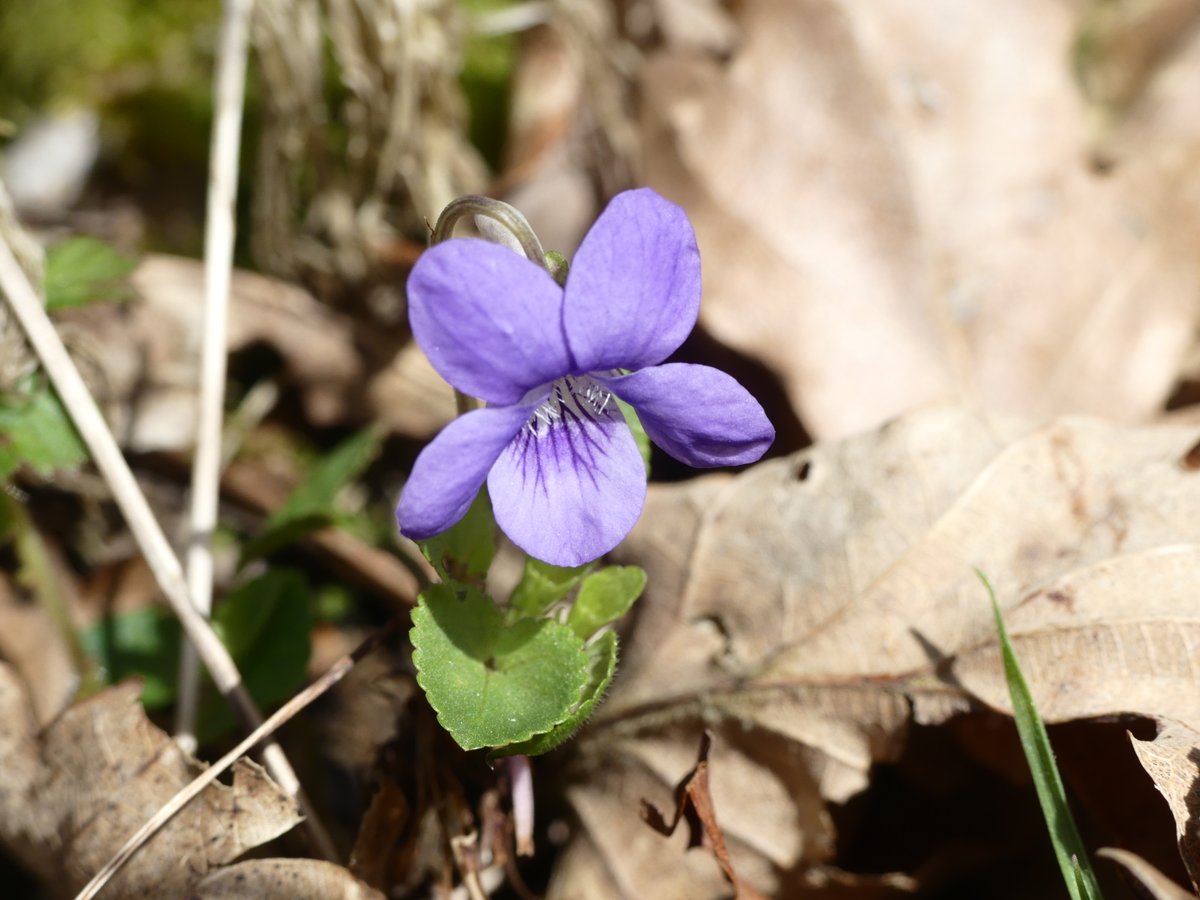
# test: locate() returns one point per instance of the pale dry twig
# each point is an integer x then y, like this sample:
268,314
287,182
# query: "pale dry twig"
163,563
229,85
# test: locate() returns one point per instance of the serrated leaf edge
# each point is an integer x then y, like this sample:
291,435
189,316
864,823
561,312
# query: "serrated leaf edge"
417,651
557,740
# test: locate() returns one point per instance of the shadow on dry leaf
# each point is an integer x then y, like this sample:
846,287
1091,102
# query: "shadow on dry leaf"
811,608
1172,759
897,202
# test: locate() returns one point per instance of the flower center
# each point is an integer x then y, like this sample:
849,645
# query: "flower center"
572,399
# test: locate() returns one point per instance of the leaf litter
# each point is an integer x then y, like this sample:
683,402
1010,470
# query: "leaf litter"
913,209
897,204
694,805
813,609
1172,760
74,792
144,357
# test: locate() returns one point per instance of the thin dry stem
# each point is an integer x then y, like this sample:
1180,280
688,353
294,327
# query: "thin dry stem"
465,850
229,88
147,532
229,84
172,807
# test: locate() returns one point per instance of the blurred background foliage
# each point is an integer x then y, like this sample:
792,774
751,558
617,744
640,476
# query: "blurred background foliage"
144,70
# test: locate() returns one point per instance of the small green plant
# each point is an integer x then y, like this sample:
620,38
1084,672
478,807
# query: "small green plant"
570,364
34,428
265,621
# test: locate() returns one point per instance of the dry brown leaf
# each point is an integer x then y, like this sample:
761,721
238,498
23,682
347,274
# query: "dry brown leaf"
810,608
384,820
71,795
33,644
894,202
544,175
787,165
1172,760
409,397
1136,611
285,879
569,128
694,805
1159,885
143,357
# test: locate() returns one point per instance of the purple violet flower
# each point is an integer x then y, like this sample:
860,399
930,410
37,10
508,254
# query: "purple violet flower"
563,470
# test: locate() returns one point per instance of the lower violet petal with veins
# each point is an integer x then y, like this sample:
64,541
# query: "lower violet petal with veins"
572,483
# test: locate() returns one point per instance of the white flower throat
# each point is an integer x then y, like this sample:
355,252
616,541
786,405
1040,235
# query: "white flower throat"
572,399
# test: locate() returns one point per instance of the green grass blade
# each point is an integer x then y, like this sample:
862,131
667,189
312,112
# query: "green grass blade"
1085,883
1068,846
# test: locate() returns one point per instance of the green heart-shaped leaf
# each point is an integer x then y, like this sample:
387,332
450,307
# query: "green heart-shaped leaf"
493,685
602,656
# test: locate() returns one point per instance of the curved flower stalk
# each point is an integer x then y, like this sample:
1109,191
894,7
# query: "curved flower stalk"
563,470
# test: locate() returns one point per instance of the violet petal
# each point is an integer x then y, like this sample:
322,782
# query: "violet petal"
699,415
450,470
490,321
568,492
633,292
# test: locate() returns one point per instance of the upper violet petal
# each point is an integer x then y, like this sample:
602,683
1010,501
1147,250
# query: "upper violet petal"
450,470
568,492
699,415
489,320
633,292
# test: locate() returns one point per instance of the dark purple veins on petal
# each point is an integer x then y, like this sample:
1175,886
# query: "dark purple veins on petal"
574,402
571,484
